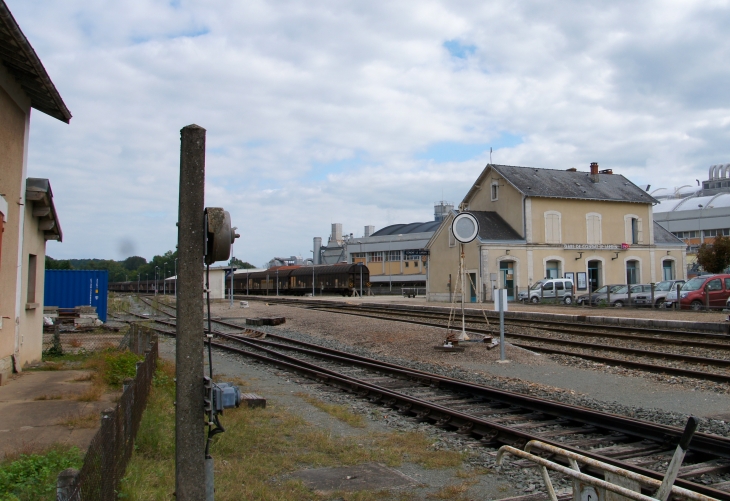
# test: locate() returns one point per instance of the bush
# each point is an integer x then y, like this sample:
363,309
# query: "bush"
33,476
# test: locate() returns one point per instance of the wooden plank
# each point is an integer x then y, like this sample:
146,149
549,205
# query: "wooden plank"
253,400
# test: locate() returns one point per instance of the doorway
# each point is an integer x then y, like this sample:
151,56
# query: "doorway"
507,270
668,269
594,275
472,287
552,269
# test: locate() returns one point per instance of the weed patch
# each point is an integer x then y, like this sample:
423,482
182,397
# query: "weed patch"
337,411
260,448
32,477
88,420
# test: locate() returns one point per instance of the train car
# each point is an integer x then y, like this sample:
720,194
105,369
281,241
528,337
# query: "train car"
344,279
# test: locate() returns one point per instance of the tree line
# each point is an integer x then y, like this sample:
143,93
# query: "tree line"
131,269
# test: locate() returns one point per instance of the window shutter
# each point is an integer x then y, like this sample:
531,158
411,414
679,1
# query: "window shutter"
628,237
639,232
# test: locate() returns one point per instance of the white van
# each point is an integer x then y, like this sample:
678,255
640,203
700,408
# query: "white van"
549,288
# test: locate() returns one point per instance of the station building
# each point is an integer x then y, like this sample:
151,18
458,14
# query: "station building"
27,212
593,227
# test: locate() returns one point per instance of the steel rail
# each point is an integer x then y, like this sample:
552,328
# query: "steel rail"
475,425
583,330
561,323
703,443
615,361
491,431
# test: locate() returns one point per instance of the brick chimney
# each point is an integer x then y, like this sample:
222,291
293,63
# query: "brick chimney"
594,172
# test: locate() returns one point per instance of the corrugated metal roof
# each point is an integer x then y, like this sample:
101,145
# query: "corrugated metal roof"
552,183
493,227
717,201
23,63
662,236
402,229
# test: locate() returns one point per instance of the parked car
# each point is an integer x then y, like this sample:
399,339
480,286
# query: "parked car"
661,290
621,296
713,289
599,295
549,288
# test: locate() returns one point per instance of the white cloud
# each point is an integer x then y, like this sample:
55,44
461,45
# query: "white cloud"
321,112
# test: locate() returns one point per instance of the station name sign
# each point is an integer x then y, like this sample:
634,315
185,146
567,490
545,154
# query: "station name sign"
609,247
411,253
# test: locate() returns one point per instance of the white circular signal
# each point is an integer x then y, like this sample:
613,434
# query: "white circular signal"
465,227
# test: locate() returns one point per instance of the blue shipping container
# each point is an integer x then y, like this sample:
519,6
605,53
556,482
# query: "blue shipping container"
72,288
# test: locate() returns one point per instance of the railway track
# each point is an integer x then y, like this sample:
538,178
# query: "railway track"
492,416
561,340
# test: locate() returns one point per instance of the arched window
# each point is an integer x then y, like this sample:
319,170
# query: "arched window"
552,227
632,272
593,228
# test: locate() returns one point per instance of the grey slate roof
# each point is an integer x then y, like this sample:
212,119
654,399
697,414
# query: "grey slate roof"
553,183
402,229
664,237
493,227
23,63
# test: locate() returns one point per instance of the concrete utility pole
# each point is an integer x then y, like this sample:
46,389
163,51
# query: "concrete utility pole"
189,416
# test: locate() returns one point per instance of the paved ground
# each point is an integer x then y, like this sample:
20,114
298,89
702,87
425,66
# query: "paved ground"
32,416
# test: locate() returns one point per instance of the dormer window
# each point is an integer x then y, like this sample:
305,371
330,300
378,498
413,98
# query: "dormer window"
495,190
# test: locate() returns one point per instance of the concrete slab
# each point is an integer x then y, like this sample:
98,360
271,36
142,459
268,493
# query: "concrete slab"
368,476
33,417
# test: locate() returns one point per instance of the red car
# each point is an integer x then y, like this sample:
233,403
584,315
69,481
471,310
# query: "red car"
693,294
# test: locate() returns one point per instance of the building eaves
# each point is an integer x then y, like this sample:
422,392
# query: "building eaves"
25,66
38,191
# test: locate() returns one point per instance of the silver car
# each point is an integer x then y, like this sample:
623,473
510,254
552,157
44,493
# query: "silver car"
620,297
548,288
661,291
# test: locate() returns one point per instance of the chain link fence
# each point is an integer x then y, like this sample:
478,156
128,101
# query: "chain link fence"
111,448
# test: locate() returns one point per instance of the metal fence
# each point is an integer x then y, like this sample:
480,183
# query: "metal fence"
111,448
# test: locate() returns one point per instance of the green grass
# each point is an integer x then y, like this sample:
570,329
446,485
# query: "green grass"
260,447
32,477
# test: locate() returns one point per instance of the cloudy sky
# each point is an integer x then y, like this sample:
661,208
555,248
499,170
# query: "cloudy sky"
325,111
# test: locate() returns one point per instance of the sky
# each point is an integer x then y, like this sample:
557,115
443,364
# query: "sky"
360,113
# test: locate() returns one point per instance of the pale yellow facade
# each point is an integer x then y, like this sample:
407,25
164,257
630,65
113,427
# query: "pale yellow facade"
556,236
26,225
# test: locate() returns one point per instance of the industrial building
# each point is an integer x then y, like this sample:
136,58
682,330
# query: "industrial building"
395,254
699,216
27,213
593,227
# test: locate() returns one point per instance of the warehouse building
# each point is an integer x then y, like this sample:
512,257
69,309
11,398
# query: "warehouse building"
395,255
593,227
27,213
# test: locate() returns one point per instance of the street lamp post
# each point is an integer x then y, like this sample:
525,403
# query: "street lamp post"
312,251
702,240
164,276
277,281
360,264
175,278
157,284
